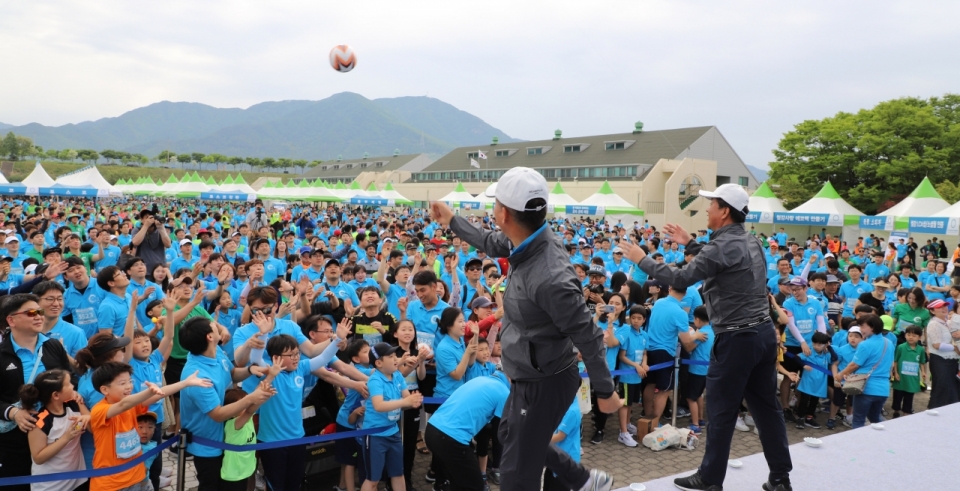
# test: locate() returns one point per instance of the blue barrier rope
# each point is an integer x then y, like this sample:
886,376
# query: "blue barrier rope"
288,443
811,365
434,400
105,471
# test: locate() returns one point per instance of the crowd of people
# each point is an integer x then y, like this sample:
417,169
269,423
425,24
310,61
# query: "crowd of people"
125,322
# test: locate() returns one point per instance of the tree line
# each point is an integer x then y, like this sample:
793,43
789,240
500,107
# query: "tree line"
17,147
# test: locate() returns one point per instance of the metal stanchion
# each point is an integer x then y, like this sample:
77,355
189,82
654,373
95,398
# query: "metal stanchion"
676,388
181,460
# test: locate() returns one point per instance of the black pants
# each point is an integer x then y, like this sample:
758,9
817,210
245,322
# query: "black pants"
208,475
15,457
411,427
283,467
553,483
743,365
497,450
531,415
807,405
155,468
903,401
946,387
599,417
453,461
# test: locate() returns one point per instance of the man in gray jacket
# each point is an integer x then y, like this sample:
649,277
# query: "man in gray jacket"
544,319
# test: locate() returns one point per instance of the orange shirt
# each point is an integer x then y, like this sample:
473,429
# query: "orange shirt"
116,441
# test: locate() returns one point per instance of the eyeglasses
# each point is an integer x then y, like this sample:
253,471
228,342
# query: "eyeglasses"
617,253
323,331
292,356
30,313
52,299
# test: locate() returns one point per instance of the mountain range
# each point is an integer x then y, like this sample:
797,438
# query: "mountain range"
760,174
344,124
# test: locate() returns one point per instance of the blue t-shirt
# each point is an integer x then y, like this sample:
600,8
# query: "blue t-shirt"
691,300
425,321
281,413
196,402
110,256
448,355
274,268
72,337
667,322
611,352
280,327
702,351
844,355
869,351
83,307
934,279
477,370
112,312
874,271
352,401
12,281
839,339
149,371
157,294
343,291
394,294
391,390
570,426
633,343
851,293
814,382
805,318
181,263
470,408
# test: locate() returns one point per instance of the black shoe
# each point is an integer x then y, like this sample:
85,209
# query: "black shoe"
800,425
430,477
597,437
784,486
493,475
695,482
788,416
811,423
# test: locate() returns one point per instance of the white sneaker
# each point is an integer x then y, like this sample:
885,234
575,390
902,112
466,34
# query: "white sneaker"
793,401
166,472
631,428
741,426
598,481
627,440
165,482
748,420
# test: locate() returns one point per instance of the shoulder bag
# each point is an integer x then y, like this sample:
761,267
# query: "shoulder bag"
854,383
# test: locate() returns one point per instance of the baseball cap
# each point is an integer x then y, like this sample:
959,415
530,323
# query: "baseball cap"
74,261
733,194
881,284
480,302
332,262
6,259
597,269
380,350
832,279
109,346
798,281
12,238
476,261
51,250
149,414
784,281
855,329
936,304
184,242
30,269
770,241
518,186
887,322
617,250
337,233
306,250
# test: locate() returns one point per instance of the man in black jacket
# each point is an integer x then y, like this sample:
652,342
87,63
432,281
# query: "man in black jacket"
22,346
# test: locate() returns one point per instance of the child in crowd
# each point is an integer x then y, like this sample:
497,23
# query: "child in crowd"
240,466
147,427
699,349
154,310
383,452
349,418
909,368
482,366
633,346
566,438
283,467
813,384
227,315
114,423
54,442
413,366
844,357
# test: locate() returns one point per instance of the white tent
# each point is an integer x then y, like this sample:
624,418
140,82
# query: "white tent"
3,179
559,198
828,201
763,204
88,176
240,184
607,203
38,178
391,194
924,201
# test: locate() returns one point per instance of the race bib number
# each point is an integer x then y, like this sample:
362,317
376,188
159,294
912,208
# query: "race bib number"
128,444
426,338
910,368
411,380
394,415
637,355
85,315
804,326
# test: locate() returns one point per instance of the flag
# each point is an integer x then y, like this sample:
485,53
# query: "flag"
482,155
474,163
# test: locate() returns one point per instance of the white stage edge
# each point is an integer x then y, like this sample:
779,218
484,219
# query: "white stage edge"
911,452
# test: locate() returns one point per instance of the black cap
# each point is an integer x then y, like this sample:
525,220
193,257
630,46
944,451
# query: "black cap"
332,262
6,259
73,261
51,250
380,350
110,346
478,261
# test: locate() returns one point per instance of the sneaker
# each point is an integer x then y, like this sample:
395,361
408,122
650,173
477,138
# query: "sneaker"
702,423
883,411
430,477
493,475
627,440
793,401
165,482
788,416
811,423
683,412
847,421
166,472
756,430
694,483
784,486
631,428
338,488
597,437
598,481
896,414
800,425
748,420
831,424
260,482
695,429
741,426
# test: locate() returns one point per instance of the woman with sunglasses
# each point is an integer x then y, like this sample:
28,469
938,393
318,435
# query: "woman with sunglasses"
21,313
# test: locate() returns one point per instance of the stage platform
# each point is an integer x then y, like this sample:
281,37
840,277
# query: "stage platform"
912,452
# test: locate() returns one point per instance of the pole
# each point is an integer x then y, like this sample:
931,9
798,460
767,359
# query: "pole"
181,460
676,388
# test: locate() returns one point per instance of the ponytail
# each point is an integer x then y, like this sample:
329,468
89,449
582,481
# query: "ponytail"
42,389
85,357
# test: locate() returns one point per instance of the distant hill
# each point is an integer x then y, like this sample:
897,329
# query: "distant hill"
4,126
344,124
759,173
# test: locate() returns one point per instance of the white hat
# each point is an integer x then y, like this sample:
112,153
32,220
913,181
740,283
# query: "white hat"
733,194
518,186
30,269
12,238
184,242
113,237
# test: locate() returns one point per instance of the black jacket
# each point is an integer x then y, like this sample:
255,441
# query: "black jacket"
11,368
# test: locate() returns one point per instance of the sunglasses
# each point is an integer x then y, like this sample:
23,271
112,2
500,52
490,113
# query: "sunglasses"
473,269
29,313
264,310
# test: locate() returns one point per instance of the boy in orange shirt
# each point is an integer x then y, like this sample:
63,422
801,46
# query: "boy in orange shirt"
113,422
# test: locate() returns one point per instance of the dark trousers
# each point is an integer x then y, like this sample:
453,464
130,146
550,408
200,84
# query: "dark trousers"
553,483
208,475
15,457
807,405
497,450
903,401
743,365
532,413
946,387
411,426
453,461
154,470
283,467
599,417
867,407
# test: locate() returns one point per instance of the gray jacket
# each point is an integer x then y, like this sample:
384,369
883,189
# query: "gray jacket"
544,311
734,273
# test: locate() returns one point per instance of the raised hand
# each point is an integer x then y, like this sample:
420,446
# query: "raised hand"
254,342
277,366
157,390
344,328
194,381
677,233
263,323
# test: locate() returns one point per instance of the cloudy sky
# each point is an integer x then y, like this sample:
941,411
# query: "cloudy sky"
752,68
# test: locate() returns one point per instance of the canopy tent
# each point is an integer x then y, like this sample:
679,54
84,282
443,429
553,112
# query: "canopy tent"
389,193
320,192
3,179
88,177
211,182
924,201
38,178
558,199
17,189
606,203
459,197
354,191
825,209
763,204
227,196
340,190
240,184
147,187
190,186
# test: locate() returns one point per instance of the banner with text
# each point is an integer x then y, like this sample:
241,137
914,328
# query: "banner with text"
811,219
877,223
760,217
585,210
934,225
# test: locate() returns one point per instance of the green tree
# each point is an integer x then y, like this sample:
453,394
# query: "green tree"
873,155
284,163
143,160
87,155
234,160
9,146
302,164
165,156
110,155
197,157
71,154
314,163
254,162
184,158
949,191
52,154
269,162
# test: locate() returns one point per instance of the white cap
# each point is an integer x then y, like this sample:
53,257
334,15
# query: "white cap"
113,237
12,238
518,186
184,242
855,329
733,194
30,269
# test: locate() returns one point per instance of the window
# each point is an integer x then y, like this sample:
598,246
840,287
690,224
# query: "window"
614,145
744,181
503,153
535,151
380,164
721,180
571,148
323,167
349,166
549,173
336,166
473,155
363,165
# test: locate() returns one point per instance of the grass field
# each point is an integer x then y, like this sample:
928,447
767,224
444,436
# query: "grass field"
113,173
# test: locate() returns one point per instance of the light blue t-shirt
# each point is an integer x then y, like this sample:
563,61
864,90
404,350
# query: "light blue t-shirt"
633,343
425,321
149,371
448,355
352,401
391,390
196,402
610,353
805,318
470,408
570,426
113,311
281,416
851,293
667,322
844,354
280,327
702,351
72,337
869,351
83,307
691,300
814,382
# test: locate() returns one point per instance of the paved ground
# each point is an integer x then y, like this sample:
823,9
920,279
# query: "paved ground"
628,464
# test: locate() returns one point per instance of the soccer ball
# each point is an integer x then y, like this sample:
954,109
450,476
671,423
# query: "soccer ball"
342,58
